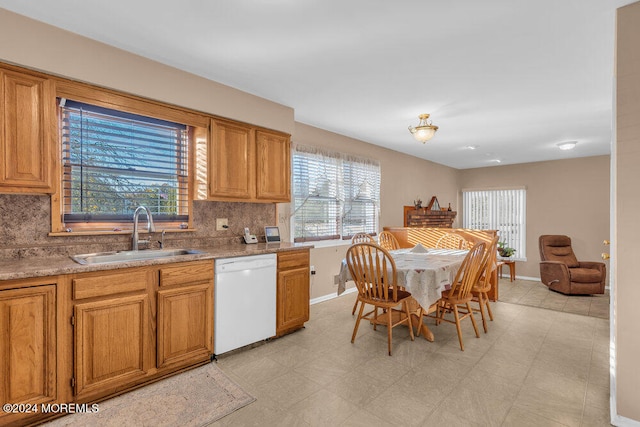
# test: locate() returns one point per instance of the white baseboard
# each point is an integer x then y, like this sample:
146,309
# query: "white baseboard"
332,296
620,421
535,279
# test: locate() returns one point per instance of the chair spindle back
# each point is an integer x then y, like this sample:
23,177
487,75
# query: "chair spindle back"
373,270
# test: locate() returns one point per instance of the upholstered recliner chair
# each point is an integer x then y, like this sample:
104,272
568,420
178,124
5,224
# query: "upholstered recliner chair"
561,271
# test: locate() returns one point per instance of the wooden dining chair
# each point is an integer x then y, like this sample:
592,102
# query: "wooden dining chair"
480,290
360,238
374,272
452,241
456,300
388,241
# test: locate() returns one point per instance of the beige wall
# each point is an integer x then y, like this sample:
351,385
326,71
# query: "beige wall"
563,197
403,179
626,155
43,47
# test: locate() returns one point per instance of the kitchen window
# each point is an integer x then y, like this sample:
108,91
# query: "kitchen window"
498,209
114,161
335,195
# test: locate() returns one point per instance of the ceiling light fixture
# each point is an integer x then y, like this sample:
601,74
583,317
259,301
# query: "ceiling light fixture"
569,145
425,130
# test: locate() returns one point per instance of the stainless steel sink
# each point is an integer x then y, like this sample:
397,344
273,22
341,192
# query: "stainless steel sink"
124,256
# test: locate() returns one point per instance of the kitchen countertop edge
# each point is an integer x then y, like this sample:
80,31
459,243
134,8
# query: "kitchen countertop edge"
27,268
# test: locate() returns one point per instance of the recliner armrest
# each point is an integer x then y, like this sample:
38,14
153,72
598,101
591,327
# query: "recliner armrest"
554,274
593,265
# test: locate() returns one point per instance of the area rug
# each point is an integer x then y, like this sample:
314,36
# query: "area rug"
535,294
194,398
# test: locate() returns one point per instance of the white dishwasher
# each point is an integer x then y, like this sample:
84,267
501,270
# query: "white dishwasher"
245,301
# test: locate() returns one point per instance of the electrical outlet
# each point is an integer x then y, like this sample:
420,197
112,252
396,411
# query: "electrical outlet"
312,269
222,224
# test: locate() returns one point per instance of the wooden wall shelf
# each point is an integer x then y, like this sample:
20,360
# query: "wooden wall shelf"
424,217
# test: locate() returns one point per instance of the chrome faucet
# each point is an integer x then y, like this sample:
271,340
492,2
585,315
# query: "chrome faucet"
150,227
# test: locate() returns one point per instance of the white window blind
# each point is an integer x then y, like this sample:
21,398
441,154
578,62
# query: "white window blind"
361,197
503,210
315,196
115,161
334,195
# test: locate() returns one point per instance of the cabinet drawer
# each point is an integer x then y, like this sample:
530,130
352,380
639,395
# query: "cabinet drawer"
293,259
191,272
110,284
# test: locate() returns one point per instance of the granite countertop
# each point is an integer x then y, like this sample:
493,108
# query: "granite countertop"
42,266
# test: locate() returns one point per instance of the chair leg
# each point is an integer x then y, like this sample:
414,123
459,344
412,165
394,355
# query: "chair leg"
475,327
481,303
406,309
355,328
389,329
458,328
375,316
440,312
355,305
419,325
486,300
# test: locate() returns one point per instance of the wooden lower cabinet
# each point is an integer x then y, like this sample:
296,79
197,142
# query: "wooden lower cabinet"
292,303
134,325
185,314
27,349
111,343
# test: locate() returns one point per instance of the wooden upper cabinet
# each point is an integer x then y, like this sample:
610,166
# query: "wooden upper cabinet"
247,164
27,129
273,166
230,161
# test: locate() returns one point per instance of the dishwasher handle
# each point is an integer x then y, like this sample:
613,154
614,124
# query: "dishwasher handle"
240,265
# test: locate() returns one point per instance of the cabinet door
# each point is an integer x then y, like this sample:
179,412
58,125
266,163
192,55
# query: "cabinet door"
273,167
111,343
27,347
27,116
185,324
293,298
231,162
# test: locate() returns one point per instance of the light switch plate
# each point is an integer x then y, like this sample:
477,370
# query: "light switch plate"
222,224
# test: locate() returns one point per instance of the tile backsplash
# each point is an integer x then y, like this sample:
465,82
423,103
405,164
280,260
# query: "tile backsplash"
25,224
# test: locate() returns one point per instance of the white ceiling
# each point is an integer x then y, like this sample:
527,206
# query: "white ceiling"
512,77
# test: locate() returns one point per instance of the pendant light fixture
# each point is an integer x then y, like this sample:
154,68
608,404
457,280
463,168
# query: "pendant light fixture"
425,129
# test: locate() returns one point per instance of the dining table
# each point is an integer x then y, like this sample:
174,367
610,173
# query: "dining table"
425,272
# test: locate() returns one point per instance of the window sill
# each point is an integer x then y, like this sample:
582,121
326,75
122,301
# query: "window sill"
111,233
329,243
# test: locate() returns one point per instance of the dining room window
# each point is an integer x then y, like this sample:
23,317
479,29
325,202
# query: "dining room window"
498,209
114,161
335,195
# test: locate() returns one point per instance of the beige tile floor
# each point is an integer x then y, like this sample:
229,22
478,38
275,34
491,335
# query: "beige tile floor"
535,367
534,293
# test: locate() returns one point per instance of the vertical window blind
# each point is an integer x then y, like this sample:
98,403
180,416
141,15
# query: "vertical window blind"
334,195
503,210
114,162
